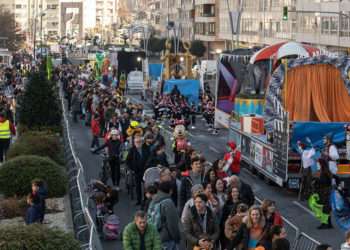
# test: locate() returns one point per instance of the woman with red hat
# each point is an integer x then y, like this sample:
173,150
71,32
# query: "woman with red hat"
232,159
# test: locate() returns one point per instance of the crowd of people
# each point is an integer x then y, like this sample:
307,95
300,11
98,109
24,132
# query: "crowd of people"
175,106
191,203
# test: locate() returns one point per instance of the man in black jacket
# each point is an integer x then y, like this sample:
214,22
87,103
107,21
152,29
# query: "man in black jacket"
136,161
190,178
113,145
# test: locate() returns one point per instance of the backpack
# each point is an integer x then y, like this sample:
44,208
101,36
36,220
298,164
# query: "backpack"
154,215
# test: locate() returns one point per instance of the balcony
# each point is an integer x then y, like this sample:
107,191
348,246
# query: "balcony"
201,2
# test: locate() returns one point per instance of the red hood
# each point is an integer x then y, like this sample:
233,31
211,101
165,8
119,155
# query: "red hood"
185,173
232,145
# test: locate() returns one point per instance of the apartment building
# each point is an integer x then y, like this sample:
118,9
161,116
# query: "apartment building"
327,25
261,22
206,25
323,23
45,12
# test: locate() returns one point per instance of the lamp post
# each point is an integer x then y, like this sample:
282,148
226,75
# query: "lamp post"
41,30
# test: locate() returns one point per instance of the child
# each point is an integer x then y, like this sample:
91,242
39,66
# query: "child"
111,198
40,193
33,213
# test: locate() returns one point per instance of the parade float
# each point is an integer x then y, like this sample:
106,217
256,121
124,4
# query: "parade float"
177,71
304,97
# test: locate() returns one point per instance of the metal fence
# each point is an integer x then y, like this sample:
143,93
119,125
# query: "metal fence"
83,223
298,240
305,242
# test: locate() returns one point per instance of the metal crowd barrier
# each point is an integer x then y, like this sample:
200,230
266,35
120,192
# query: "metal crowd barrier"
83,223
305,242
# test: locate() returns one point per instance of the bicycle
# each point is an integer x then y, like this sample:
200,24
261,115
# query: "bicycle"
106,170
130,182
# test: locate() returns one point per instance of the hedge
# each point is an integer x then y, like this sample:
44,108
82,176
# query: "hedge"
16,176
36,237
37,143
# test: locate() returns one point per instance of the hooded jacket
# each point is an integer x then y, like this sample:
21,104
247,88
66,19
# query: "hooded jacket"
170,225
186,185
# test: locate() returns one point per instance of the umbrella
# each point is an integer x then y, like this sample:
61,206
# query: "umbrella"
283,49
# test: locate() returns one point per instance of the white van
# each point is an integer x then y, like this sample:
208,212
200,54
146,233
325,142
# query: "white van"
135,81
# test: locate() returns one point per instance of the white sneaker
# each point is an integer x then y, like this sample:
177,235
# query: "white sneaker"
210,129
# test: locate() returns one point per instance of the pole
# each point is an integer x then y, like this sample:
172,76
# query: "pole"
231,21
41,32
34,44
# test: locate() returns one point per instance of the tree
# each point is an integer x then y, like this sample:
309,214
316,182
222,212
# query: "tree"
10,30
197,48
39,107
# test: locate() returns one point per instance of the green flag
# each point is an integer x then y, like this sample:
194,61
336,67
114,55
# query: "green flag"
49,67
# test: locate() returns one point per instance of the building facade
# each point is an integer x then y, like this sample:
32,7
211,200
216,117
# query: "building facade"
206,26
323,23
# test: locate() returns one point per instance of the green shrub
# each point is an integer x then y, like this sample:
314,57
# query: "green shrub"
37,143
16,176
36,237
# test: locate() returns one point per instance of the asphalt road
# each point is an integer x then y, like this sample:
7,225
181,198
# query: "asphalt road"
212,147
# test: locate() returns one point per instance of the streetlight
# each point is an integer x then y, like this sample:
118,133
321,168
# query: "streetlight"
139,59
182,59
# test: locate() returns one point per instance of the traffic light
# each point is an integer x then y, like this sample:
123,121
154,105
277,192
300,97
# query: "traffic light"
285,13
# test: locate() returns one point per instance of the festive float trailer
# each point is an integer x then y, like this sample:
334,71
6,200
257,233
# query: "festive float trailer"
306,97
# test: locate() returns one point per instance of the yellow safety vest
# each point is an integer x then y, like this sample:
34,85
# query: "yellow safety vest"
5,132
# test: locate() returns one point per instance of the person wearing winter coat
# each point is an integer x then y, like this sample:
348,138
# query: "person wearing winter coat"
34,211
40,193
272,216
200,226
75,105
140,235
95,130
113,145
158,157
189,179
251,232
136,161
232,159
246,194
169,228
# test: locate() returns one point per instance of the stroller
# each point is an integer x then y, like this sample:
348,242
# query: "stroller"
111,227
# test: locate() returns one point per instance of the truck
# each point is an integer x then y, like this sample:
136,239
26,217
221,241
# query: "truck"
274,157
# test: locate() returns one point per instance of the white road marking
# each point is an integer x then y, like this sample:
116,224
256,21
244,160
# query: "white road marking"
303,208
214,150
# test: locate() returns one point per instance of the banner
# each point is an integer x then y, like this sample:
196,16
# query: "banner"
235,17
188,88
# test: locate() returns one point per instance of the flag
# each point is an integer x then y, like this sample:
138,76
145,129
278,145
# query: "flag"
49,67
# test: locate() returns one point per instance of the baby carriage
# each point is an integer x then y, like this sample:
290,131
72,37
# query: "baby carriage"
111,227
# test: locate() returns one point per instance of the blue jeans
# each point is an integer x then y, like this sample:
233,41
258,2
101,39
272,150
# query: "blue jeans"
170,245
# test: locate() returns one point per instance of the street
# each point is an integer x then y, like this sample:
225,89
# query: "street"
212,147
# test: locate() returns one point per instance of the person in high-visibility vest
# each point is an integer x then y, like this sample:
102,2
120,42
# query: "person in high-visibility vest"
7,129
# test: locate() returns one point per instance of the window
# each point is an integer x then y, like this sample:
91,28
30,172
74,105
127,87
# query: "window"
211,29
18,6
325,25
278,27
